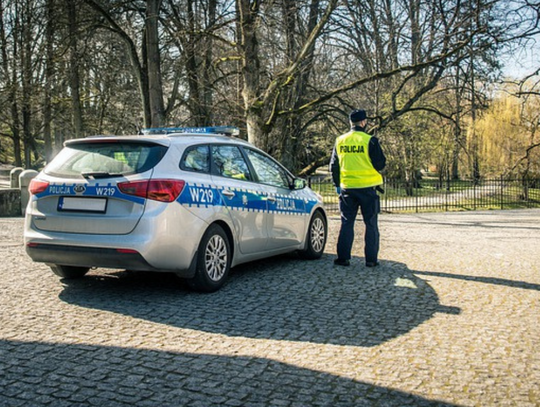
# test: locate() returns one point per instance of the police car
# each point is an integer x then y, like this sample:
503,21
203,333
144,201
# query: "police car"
193,201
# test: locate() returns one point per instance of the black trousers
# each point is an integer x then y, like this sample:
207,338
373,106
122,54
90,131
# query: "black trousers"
367,200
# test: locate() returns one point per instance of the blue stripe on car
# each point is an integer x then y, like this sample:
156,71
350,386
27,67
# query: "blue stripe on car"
104,190
198,195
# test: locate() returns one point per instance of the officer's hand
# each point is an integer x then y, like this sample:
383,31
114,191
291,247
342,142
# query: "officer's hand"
338,190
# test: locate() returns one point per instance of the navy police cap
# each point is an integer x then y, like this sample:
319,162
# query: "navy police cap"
357,116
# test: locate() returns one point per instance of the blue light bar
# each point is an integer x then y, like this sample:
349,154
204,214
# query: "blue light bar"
226,130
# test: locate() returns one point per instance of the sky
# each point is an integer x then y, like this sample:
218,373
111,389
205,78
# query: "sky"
524,61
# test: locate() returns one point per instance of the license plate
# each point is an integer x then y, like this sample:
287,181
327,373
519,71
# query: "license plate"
76,204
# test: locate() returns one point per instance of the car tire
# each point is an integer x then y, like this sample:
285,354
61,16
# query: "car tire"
213,261
316,237
69,272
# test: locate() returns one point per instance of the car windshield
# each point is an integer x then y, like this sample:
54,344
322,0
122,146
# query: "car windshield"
100,160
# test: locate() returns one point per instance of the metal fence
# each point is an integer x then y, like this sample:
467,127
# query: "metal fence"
433,195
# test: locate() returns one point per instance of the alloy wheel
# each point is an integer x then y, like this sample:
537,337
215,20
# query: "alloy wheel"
318,234
215,258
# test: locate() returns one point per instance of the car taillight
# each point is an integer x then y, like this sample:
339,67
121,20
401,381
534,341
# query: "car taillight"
127,251
164,190
37,187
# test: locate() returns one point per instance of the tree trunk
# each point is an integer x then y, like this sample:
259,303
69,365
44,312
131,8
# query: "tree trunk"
414,10
49,72
11,84
457,131
261,105
74,79
155,87
249,49
195,102
140,70
208,56
26,78
297,95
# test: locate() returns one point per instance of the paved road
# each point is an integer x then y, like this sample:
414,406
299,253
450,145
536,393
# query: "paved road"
450,318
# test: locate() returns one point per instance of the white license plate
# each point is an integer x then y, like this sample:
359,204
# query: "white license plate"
66,203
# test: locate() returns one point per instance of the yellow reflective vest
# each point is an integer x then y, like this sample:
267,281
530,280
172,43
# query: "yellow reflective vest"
356,169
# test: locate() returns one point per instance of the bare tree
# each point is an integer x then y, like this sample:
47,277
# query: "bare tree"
261,103
146,64
287,72
74,77
48,80
9,76
153,57
192,30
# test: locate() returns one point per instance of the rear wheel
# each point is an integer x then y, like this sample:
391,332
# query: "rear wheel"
213,261
316,237
69,272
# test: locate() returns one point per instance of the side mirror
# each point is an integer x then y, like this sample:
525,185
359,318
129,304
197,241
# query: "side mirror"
299,183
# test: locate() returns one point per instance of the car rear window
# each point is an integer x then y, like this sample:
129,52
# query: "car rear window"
101,160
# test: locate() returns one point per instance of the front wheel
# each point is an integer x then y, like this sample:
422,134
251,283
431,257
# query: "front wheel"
213,261
69,272
316,237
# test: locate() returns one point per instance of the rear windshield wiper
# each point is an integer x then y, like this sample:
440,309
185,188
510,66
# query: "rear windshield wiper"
99,174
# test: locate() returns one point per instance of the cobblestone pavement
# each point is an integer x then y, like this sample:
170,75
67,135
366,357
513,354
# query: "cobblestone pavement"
450,318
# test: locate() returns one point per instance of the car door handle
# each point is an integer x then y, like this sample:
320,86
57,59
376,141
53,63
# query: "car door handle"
228,194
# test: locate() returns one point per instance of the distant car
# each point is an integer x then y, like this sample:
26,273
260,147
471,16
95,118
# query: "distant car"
192,201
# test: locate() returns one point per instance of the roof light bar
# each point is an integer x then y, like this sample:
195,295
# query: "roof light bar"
227,130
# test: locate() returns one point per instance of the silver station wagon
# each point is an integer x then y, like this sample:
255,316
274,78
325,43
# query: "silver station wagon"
192,201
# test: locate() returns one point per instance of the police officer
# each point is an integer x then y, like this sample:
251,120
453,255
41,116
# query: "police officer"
356,162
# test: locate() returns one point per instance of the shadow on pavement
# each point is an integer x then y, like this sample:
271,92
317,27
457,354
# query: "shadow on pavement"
486,280
282,298
43,374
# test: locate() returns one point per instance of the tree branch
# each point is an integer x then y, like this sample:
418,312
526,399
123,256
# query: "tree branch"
378,76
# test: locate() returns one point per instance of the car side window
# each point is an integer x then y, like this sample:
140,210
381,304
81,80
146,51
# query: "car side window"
229,162
196,158
268,171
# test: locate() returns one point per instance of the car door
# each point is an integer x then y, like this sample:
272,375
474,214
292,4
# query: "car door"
286,220
244,199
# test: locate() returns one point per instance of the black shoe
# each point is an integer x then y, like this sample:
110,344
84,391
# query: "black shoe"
372,263
341,262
